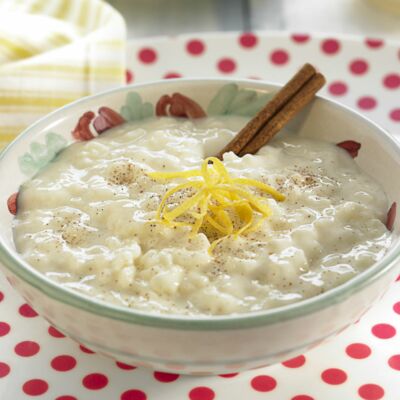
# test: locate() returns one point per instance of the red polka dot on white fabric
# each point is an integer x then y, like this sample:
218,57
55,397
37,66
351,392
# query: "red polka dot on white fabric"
195,47
1,296
147,55
248,40
330,46
133,394
302,397
128,76
124,366
63,363
35,387
300,37
358,67
279,57
391,81
27,311
383,331
371,391
338,88
4,369
263,383
358,350
295,362
27,348
374,43
86,350
165,377
171,75
95,381
395,115
232,375
66,397
334,376
201,393
55,333
4,328
226,65
396,307
394,362
367,103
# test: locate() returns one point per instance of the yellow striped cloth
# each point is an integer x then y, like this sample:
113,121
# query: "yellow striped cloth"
53,52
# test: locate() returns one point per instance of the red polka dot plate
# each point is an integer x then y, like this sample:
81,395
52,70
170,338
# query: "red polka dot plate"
363,362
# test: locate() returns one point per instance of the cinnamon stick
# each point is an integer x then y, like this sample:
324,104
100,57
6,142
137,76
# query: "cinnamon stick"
284,115
290,99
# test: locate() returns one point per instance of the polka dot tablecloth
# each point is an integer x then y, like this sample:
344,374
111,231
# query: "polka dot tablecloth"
362,73
363,362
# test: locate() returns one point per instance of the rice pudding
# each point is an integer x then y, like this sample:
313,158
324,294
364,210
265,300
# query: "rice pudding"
91,220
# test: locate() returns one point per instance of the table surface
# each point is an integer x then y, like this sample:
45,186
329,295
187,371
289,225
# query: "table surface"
171,17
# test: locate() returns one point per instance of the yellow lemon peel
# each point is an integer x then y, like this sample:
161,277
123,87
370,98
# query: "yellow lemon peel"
215,193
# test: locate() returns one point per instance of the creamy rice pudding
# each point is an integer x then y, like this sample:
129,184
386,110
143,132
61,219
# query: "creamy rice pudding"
98,219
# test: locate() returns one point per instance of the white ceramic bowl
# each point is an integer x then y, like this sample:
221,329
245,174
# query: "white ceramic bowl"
192,344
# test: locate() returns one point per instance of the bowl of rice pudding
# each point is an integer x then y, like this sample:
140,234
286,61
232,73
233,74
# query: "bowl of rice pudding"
124,228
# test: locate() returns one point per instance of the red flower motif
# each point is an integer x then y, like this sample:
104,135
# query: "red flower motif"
179,105
351,147
106,119
391,216
82,129
12,203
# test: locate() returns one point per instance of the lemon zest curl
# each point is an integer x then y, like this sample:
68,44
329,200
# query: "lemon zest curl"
215,193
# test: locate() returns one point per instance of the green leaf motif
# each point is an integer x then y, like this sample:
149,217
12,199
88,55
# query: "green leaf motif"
219,105
41,154
230,100
134,108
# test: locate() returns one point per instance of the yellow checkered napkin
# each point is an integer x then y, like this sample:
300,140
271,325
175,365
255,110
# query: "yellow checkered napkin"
53,52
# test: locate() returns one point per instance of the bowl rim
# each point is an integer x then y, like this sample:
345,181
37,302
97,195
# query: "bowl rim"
101,308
